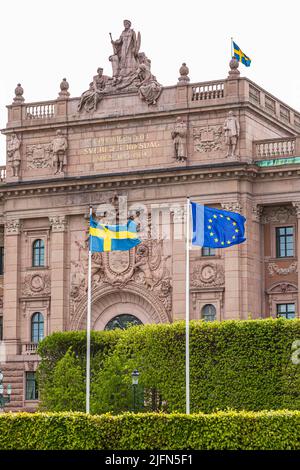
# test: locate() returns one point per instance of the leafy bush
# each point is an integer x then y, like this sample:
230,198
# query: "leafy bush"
242,365
266,430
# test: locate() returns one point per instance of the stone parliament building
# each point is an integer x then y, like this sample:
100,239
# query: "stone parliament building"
226,143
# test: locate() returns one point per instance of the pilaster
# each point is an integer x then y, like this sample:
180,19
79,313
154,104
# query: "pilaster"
296,205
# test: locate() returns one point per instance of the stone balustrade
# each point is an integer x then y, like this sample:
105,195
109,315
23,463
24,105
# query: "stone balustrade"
40,111
274,148
2,173
29,348
225,92
208,91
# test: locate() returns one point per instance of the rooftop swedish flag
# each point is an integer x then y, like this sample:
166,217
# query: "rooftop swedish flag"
112,237
215,228
240,56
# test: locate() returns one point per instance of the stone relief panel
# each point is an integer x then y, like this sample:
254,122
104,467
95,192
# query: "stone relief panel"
207,138
39,156
145,267
36,283
273,268
278,214
208,274
13,226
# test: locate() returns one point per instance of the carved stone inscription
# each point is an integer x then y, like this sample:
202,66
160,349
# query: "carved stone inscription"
120,147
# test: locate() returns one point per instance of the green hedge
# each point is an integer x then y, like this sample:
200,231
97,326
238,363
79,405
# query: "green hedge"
275,430
242,365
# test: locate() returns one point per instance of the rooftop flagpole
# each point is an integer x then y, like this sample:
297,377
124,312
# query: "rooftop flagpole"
231,47
88,327
187,310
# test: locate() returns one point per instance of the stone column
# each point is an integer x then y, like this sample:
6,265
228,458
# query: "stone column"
233,277
57,266
297,246
11,282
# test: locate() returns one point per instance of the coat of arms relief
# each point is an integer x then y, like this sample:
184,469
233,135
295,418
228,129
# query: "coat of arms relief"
144,266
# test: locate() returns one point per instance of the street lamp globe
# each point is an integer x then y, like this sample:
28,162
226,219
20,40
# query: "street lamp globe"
135,377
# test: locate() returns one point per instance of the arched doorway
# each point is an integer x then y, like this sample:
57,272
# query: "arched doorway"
123,321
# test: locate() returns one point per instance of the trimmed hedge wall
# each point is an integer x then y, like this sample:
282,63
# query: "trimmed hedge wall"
273,430
242,365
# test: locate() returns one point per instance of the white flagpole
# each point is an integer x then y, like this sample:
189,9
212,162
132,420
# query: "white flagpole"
88,328
187,310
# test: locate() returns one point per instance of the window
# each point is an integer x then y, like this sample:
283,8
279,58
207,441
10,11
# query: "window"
37,327
38,253
31,386
1,260
122,322
286,311
209,312
284,242
1,328
208,251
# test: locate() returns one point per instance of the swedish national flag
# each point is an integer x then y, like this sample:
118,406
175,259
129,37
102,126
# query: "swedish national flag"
112,237
240,56
215,228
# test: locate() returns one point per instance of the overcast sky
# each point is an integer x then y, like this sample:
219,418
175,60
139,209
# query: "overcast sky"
43,41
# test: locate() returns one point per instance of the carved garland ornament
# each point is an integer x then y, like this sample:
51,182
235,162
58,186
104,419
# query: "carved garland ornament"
273,268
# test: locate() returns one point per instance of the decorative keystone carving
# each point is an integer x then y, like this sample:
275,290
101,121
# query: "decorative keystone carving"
179,136
184,72
36,284
19,99
273,268
208,138
281,214
232,133
208,275
58,223
232,206
13,226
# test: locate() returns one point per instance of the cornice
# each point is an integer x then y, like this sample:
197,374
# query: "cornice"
148,178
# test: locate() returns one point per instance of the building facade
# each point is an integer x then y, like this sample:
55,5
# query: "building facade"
130,147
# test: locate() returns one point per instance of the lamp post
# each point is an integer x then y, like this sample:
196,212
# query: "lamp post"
135,381
4,398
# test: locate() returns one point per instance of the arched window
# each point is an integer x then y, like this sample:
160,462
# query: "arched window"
122,322
38,253
209,312
37,327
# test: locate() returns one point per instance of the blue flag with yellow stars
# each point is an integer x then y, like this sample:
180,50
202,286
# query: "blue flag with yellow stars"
112,237
215,228
240,56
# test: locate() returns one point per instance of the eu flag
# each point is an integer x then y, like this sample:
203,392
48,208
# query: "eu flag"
215,228
112,237
240,56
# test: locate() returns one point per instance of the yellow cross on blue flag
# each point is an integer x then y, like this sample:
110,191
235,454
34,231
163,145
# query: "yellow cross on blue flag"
215,228
240,56
112,237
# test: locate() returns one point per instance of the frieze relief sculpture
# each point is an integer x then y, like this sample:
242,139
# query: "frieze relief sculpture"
281,214
13,154
145,267
232,133
179,136
131,71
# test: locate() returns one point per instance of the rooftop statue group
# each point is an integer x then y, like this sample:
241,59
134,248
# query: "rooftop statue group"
131,72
